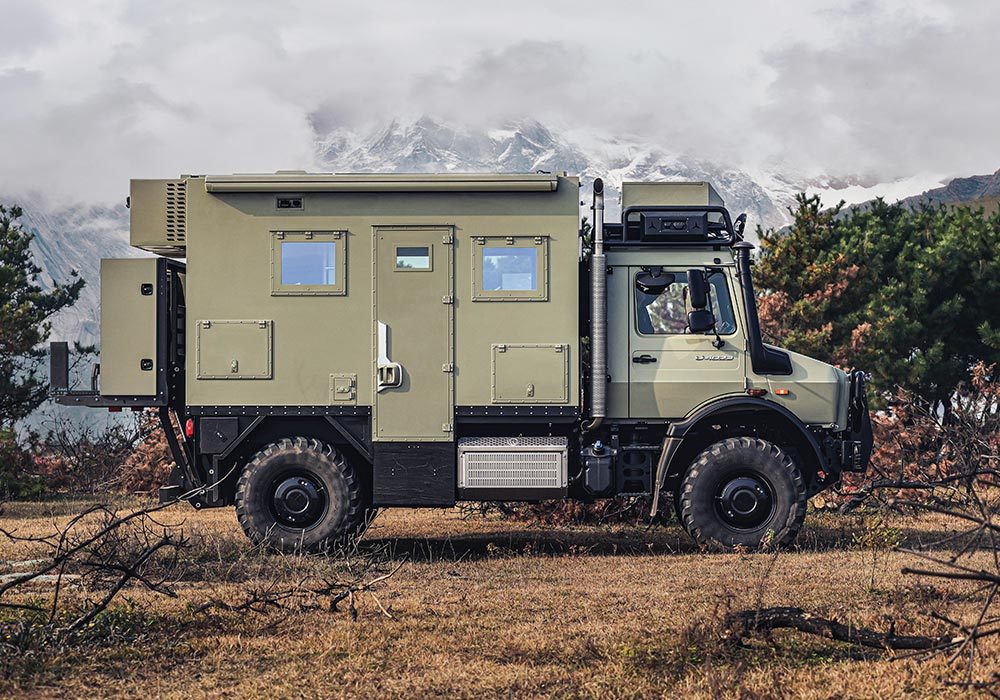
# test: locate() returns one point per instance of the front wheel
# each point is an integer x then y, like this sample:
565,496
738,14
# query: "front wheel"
743,492
300,494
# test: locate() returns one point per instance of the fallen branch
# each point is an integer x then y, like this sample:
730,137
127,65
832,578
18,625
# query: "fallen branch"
257,600
966,575
747,622
130,572
63,552
107,556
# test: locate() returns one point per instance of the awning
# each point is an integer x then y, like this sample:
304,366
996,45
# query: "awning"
417,182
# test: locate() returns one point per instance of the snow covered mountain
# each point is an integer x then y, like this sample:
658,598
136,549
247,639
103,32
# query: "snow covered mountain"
69,238
426,145
962,189
77,237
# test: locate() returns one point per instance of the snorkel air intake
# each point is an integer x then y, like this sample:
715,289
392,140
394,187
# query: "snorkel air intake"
598,314
764,360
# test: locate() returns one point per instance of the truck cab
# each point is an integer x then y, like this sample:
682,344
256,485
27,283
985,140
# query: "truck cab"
687,364
322,346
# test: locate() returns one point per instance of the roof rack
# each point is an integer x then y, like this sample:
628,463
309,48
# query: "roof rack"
664,226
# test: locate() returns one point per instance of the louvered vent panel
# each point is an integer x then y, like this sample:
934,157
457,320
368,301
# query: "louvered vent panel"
177,211
512,470
512,463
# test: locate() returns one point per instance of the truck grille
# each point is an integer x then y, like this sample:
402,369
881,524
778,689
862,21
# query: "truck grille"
512,463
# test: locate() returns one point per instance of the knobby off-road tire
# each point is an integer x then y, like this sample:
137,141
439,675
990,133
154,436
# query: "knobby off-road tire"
300,494
743,492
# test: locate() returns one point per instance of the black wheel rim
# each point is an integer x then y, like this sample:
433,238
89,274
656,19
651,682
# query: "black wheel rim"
298,500
745,501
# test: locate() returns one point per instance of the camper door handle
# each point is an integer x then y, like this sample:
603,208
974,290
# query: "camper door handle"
388,374
643,359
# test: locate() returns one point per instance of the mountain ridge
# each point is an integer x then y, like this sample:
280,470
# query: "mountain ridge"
426,145
961,190
78,236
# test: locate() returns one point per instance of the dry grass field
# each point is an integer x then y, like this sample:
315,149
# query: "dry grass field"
479,607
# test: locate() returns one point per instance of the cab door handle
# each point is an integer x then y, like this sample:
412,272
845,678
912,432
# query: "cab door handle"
643,359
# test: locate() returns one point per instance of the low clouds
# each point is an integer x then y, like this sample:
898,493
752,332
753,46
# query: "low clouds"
894,96
99,91
123,93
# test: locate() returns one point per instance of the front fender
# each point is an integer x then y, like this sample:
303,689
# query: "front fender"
676,432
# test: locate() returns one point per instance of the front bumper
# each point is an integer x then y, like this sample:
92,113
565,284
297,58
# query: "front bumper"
853,455
858,441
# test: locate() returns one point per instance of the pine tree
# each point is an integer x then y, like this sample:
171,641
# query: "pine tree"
25,312
907,294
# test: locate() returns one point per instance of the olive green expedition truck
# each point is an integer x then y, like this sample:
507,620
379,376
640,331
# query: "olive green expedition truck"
335,344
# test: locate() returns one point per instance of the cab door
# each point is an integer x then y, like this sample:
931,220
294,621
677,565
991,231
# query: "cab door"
671,370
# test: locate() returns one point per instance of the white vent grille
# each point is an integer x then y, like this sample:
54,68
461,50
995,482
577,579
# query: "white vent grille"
512,463
177,211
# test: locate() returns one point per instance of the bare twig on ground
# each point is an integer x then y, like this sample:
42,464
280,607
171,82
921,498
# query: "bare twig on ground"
98,551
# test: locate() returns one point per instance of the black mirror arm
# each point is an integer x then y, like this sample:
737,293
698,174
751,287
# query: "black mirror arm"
718,343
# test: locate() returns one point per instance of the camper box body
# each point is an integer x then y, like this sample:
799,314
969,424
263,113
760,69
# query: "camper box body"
463,289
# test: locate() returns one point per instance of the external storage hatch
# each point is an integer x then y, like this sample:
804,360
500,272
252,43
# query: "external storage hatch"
530,373
129,359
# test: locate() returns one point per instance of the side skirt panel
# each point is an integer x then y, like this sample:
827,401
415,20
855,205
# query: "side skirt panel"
414,474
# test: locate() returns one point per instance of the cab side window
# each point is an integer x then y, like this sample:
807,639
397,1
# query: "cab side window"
666,313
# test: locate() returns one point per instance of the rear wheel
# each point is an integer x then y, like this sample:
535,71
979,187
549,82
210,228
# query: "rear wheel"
300,494
743,492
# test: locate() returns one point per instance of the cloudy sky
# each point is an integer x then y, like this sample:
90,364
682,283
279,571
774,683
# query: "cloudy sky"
97,91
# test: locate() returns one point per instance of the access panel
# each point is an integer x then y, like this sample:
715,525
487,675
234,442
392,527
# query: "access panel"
530,373
229,349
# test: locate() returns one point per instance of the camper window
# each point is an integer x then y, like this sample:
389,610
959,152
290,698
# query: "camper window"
307,263
507,268
413,258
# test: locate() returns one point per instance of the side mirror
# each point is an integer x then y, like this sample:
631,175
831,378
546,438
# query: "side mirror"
653,281
701,321
697,289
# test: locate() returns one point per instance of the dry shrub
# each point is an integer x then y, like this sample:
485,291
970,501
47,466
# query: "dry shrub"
124,456
919,443
556,513
148,465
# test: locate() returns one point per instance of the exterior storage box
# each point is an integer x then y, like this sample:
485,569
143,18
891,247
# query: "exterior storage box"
665,194
129,362
158,216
